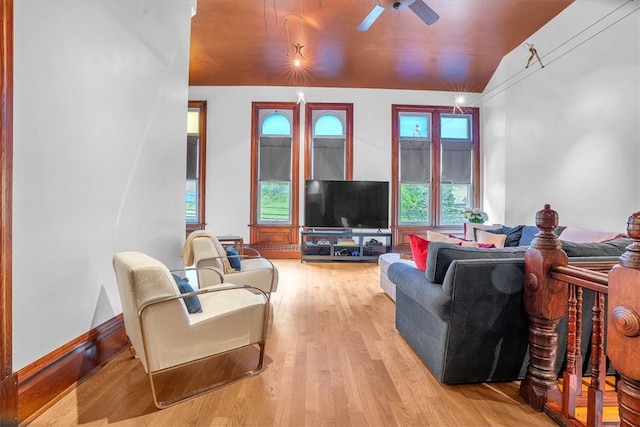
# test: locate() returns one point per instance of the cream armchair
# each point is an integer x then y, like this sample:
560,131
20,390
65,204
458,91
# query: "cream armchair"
206,253
165,336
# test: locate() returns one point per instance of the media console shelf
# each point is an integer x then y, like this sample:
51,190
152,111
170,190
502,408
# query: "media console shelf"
343,245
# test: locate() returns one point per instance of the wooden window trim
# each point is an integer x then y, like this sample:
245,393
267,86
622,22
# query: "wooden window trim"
200,224
275,234
8,378
401,232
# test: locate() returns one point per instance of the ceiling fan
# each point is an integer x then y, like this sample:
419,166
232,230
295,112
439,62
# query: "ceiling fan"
419,7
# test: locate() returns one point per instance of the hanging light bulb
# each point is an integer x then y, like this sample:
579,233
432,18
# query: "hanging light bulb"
297,55
457,103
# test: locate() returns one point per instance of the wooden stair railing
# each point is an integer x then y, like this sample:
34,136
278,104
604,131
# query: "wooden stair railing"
553,289
623,334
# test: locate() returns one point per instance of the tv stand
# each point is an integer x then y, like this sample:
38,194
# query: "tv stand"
344,245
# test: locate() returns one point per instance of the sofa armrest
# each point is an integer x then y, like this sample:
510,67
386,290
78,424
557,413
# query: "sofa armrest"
413,283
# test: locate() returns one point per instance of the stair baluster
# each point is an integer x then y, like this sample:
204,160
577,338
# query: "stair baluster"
553,288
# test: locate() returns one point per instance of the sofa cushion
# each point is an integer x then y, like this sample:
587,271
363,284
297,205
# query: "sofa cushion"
470,229
514,234
580,235
441,254
489,237
432,236
420,248
529,233
614,247
471,243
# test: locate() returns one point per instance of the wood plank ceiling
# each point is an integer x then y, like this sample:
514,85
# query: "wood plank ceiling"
252,42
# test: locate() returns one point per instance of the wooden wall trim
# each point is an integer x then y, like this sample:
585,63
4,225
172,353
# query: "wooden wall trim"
8,378
202,166
46,380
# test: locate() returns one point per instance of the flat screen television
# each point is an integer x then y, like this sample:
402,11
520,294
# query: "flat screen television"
346,204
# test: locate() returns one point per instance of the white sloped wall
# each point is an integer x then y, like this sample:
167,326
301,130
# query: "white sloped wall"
568,134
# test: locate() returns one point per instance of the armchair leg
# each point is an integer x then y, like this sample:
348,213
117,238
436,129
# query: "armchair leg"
132,349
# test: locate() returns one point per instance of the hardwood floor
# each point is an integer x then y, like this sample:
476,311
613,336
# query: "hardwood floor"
334,359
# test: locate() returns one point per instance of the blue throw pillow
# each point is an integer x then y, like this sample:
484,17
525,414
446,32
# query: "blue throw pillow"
192,303
529,233
234,259
513,234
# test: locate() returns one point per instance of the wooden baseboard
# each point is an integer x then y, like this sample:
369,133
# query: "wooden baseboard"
44,381
271,254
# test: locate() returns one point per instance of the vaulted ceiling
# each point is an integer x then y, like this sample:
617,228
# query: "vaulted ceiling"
253,42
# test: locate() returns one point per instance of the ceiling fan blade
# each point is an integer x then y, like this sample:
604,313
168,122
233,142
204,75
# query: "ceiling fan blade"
371,18
425,13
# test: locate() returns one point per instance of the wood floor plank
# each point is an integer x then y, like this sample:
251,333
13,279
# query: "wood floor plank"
334,358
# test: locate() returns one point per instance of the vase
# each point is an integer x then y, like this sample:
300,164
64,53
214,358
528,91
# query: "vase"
476,221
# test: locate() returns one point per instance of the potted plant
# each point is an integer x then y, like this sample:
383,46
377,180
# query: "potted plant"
475,215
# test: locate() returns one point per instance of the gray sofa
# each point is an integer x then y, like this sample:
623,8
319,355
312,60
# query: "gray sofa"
464,315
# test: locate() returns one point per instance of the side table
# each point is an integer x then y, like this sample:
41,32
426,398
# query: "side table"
230,240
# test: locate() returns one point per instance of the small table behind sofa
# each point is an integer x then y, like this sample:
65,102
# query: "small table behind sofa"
384,261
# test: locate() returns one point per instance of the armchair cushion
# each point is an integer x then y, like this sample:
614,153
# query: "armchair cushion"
234,259
192,303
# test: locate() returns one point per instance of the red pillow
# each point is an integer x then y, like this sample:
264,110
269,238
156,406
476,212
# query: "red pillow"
486,245
419,249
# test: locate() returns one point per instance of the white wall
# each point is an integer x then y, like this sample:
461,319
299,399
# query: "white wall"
229,140
99,157
568,133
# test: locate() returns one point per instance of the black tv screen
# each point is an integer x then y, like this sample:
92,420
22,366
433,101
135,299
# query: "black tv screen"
346,204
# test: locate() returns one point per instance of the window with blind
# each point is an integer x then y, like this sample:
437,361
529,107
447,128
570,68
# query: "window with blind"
435,165
329,141
456,166
274,167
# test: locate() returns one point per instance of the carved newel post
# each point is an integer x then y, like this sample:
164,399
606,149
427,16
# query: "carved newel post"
545,301
623,334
